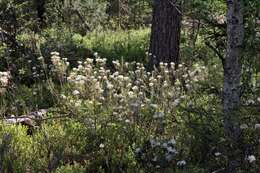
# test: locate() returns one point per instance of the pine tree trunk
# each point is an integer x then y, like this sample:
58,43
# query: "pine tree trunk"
165,34
232,76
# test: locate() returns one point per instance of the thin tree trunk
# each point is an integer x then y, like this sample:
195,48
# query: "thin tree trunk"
232,77
165,34
40,5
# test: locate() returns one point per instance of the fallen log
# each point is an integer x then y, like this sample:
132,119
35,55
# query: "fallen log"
31,120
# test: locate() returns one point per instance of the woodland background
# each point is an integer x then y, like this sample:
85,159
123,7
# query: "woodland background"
84,89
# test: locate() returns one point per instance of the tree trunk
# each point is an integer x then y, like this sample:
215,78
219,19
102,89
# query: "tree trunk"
165,34
232,75
40,6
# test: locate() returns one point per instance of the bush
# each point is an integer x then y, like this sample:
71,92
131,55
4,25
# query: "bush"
69,45
109,121
128,120
22,99
15,149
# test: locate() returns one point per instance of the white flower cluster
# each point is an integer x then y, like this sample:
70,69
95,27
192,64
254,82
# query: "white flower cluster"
4,79
251,158
165,85
181,163
55,58
245,126
252,101
60,65
128,89
160,152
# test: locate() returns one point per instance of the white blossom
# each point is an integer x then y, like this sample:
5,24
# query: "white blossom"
217,154
251,158
40,58
243,126
158,115
101,145
95,54
181,163
172,141
75,92
257,126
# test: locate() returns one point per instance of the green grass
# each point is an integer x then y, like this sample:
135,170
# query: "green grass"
130,45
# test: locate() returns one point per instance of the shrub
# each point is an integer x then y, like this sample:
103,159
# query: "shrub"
69,45
129,120
71,169
15,149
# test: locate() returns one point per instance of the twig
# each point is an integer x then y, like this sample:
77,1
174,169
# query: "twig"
217,52
175,6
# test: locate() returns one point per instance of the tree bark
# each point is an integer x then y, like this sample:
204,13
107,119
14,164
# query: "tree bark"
40,6
165,34
232,77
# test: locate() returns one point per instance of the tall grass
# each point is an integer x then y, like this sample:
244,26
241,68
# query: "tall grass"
130,45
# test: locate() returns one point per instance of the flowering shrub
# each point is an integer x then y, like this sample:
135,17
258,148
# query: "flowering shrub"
5,78
114,118
59,66
124,119
131,102
129,88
